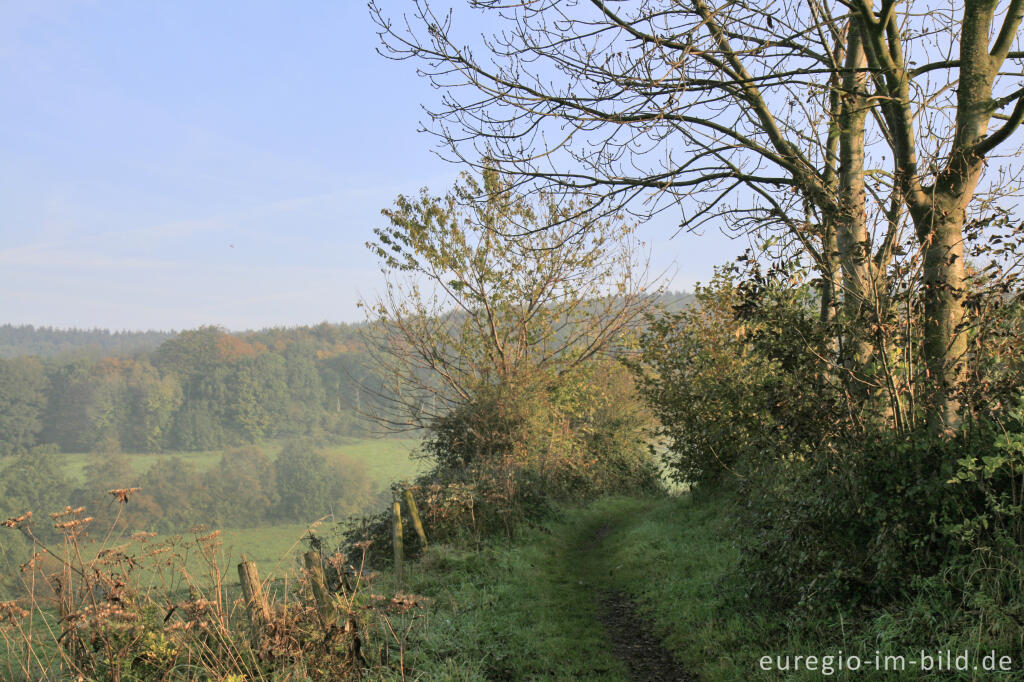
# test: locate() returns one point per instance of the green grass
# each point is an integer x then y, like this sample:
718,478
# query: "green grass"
76,462
385,459
274,548
507,612
169,568
527,609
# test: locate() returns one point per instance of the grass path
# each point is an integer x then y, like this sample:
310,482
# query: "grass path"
548,607
630,635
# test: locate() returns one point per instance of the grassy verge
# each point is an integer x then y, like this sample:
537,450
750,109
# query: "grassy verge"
527,610
687,582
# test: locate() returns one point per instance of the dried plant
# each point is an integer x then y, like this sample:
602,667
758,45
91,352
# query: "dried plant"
138,607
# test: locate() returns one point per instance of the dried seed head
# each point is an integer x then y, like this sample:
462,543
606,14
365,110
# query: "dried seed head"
122,494
16,521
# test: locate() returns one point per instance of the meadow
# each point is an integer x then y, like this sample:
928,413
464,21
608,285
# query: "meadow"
273,547
385,459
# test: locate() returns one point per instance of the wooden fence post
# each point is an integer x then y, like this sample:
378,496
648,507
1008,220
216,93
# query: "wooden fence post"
396,536
255,600
414,514
315,571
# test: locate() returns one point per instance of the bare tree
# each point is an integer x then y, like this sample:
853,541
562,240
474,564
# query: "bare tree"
832,124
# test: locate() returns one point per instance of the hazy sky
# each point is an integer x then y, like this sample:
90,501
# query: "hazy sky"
172,164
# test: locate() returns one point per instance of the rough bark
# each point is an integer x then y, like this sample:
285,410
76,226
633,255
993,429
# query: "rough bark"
852,234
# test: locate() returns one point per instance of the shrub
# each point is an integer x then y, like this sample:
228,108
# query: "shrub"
513,452
309,486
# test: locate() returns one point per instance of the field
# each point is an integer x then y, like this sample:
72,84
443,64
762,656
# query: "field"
273,547
385,459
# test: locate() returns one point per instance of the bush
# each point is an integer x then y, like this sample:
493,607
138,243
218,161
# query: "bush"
522,447
846,498
510,454
853,525
309,486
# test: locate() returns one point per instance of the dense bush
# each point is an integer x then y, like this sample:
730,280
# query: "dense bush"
847,498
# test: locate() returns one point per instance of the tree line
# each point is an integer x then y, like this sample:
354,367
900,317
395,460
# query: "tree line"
246,488
48,342
201,389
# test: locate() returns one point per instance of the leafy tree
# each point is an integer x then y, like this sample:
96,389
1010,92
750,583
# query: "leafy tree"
154,400
834,126
479,307
67,422
309,486
22,403
175,494
495,333
243,488
108,407
109,471
191,356
304,411
34,481
258,391
197,426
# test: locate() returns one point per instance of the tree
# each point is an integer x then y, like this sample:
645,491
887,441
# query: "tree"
309,486
499,346
258,391
175,494
154,401
834,128
243,486
306,395
34,481
66,421
22,402
482,309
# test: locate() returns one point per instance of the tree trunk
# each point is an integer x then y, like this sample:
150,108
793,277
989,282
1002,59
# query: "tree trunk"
852,234
945,340
941,213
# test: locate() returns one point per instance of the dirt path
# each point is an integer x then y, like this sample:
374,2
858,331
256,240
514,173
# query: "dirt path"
631,636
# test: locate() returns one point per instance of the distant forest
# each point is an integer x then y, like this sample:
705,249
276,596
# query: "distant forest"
202,389
48,342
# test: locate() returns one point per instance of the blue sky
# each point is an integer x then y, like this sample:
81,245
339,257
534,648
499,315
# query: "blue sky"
167,165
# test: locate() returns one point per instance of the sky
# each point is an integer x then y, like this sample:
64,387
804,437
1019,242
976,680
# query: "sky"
170,165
